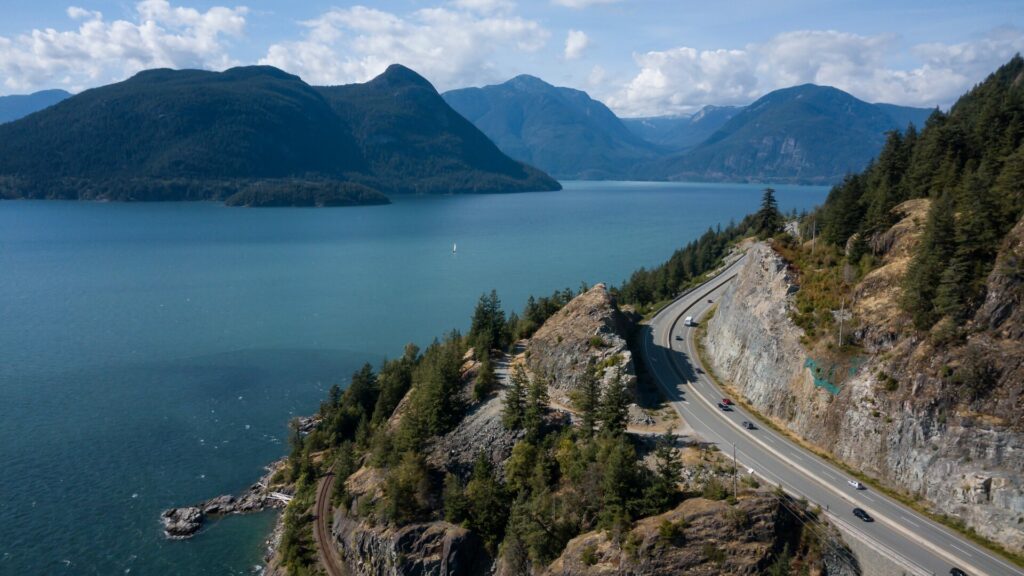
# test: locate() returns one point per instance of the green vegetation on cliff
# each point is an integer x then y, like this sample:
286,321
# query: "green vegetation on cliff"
970,163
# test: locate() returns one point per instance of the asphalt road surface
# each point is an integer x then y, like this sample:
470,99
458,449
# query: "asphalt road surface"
916,542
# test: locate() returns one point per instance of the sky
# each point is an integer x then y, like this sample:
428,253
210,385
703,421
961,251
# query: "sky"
641,57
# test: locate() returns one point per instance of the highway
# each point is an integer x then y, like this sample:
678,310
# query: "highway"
905,536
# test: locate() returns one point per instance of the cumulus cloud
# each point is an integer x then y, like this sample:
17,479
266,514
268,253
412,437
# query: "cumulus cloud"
582,3
451,47
485,6
576,41
681,80
161,35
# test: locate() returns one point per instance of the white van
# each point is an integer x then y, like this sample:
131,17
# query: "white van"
689,321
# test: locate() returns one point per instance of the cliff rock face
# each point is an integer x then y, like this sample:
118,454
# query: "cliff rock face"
589,329
713,538
949,431
426,548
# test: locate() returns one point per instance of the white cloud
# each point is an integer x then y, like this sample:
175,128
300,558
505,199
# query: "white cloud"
576,41
485,6
582,3
451,47
100,51
681,80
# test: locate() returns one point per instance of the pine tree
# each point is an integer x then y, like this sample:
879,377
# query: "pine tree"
536,408
485,379
924,273
587,400
768,220
487,503
614,408
515,399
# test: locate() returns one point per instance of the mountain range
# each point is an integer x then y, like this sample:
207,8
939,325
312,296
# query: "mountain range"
254,135
681,132
560,130
21,105
257,135
808,134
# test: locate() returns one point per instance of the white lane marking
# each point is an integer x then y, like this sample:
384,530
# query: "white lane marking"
962,550
909,520
829,474
797,456
869,497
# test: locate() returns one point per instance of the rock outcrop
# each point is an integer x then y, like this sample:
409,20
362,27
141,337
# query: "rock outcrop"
439,548
182,523
941,423
590,329
698,537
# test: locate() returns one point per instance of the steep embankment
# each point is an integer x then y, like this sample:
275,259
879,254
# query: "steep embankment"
552,485
940,422
589,331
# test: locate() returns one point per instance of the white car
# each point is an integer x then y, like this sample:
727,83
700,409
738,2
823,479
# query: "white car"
856,485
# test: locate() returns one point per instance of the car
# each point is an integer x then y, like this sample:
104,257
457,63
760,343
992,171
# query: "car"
954,571
727,401
860,513
749,425
710,301
679,337
724,407
856,485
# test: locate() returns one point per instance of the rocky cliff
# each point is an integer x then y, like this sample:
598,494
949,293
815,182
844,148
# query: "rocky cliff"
936,420
701,537
589,330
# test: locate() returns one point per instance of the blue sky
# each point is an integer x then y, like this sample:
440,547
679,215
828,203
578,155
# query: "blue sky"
641,57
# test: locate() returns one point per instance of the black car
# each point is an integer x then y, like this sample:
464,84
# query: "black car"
956,572
860,513
748,425
724,407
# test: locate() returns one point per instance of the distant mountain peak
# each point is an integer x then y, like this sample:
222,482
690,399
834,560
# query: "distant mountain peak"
399,75
527,82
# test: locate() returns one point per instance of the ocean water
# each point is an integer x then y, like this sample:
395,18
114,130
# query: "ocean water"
152,354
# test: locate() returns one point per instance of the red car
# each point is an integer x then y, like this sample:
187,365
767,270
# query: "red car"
726,401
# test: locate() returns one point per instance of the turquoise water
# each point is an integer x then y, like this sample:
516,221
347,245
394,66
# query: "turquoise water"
152,354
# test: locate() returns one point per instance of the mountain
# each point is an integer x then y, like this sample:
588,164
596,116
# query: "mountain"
253,135
19,106
560,130
905,115
681,132
413,141
808,133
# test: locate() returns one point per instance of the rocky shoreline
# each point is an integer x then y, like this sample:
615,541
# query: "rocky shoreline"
185,522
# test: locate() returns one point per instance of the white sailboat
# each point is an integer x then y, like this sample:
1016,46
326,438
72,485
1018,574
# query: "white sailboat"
455,248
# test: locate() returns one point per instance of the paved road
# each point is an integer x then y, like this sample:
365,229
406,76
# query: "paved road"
920,544
325,547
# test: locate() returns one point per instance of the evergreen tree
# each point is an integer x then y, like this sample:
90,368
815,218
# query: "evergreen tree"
663,490
535,409
768,219
488,328
485,379
587,400
924,273
456,506
515,399
488,510
614,408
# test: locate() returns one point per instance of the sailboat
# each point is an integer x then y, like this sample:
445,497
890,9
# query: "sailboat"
455,248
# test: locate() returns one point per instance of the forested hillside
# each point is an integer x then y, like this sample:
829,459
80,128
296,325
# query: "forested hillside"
256,133
808,133
970,163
